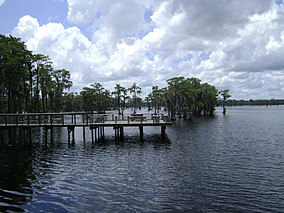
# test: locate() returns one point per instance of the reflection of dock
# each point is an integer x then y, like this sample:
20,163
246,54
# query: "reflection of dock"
71,120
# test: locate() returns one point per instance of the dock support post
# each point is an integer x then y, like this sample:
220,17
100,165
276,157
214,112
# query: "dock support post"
73,134
96,133
141,132
71,129
115,133
92,130
163,132
99,134
118,133
46,128
68,135
121,133
102,133
84,134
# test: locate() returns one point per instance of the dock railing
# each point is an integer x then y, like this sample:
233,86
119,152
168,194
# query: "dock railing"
134,118
71,120
46,119
75,119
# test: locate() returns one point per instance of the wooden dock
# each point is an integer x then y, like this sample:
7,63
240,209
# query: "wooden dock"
95,122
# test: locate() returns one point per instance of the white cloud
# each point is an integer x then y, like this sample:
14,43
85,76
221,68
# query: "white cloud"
26,27
237,45
82,11
112,18
257,50
2,2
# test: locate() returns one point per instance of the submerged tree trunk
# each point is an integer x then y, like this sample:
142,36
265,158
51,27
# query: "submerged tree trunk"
224,109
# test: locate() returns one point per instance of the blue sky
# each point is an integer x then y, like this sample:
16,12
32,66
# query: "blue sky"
239,47
44,10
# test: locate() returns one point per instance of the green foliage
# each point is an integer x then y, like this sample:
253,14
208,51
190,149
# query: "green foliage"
187,96
119,93
14,63
251,102
224,96
95,98
136,91
28,81
156,98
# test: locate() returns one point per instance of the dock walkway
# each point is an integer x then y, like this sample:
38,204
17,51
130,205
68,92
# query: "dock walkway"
71,120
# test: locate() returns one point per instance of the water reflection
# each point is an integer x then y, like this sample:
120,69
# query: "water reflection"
43,174
16,169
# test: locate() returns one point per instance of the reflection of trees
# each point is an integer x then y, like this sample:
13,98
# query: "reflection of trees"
21,166
16,169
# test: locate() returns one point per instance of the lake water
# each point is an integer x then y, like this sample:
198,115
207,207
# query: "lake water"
231,163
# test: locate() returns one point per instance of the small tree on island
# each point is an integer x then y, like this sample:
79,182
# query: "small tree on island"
224,95
119,91
135,90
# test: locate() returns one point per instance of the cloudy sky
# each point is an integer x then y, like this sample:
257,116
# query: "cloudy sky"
238,45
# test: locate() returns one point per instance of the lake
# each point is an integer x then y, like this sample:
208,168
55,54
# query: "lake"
224,163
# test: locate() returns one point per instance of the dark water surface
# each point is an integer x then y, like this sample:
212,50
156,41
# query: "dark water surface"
232,163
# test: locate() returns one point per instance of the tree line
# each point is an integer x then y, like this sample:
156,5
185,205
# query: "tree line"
254,102
29,83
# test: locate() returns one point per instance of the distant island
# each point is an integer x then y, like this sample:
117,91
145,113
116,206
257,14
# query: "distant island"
253,102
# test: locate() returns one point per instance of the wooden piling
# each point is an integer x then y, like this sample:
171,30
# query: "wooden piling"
71,129
115,133
163,132
73,135
84,134
121,132
92,132
141,132
102,133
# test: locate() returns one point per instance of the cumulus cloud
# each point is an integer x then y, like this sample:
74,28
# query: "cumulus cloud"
232,44
2,2
26,27
67,47
218,20
109,19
